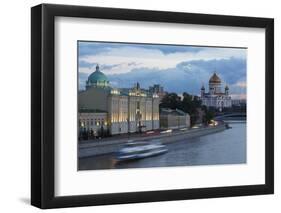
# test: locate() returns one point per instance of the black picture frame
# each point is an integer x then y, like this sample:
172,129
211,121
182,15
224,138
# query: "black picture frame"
43,102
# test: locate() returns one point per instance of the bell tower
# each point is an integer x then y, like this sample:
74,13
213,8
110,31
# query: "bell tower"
226,90
202,91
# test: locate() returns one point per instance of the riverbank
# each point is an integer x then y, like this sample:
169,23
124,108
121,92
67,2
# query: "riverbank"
225,147
110,146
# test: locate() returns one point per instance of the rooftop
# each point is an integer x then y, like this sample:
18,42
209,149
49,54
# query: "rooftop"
215,78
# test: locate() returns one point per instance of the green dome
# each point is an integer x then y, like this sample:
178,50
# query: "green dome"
97,79
97,76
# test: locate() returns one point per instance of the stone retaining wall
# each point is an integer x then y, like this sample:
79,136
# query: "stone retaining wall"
99,148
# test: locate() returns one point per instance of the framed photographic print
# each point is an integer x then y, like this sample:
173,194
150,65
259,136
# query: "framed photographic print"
139,106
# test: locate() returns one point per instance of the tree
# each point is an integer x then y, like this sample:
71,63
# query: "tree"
171,100
189,104
209,114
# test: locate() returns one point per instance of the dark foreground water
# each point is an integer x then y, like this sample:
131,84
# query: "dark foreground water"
226,147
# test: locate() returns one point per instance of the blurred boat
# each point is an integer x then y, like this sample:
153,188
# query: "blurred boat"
227,126
139,150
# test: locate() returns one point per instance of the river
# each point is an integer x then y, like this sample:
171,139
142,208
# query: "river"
226,147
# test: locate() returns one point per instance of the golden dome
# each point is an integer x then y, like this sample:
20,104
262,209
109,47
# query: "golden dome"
215,79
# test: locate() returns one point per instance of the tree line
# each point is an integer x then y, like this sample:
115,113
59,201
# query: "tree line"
189,104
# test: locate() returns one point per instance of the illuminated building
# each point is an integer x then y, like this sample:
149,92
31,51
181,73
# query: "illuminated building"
215,97
124,110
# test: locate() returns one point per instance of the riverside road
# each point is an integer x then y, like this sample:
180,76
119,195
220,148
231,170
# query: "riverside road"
225,147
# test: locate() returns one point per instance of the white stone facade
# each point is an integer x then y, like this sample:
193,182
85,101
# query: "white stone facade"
93,121
127,110
215,97
133,113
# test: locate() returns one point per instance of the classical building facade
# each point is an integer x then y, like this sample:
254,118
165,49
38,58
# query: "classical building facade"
92,121
123,110
174,119
215,97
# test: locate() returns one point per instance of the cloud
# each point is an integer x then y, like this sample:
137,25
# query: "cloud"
92,48
178,69
134,56
186,76
82,80
230,70
83,64
241,84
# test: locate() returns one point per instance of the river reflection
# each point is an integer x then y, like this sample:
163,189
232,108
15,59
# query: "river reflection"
226,147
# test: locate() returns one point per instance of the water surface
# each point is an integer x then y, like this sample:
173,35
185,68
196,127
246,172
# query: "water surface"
226,147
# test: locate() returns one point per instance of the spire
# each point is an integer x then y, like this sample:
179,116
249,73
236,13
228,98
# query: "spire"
215,67
226,87
226,90
202,91
97,68
202,88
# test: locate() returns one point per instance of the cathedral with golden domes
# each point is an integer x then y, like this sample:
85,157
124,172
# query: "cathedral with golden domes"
216,98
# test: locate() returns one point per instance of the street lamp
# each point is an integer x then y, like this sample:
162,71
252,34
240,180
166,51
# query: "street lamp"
138,117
